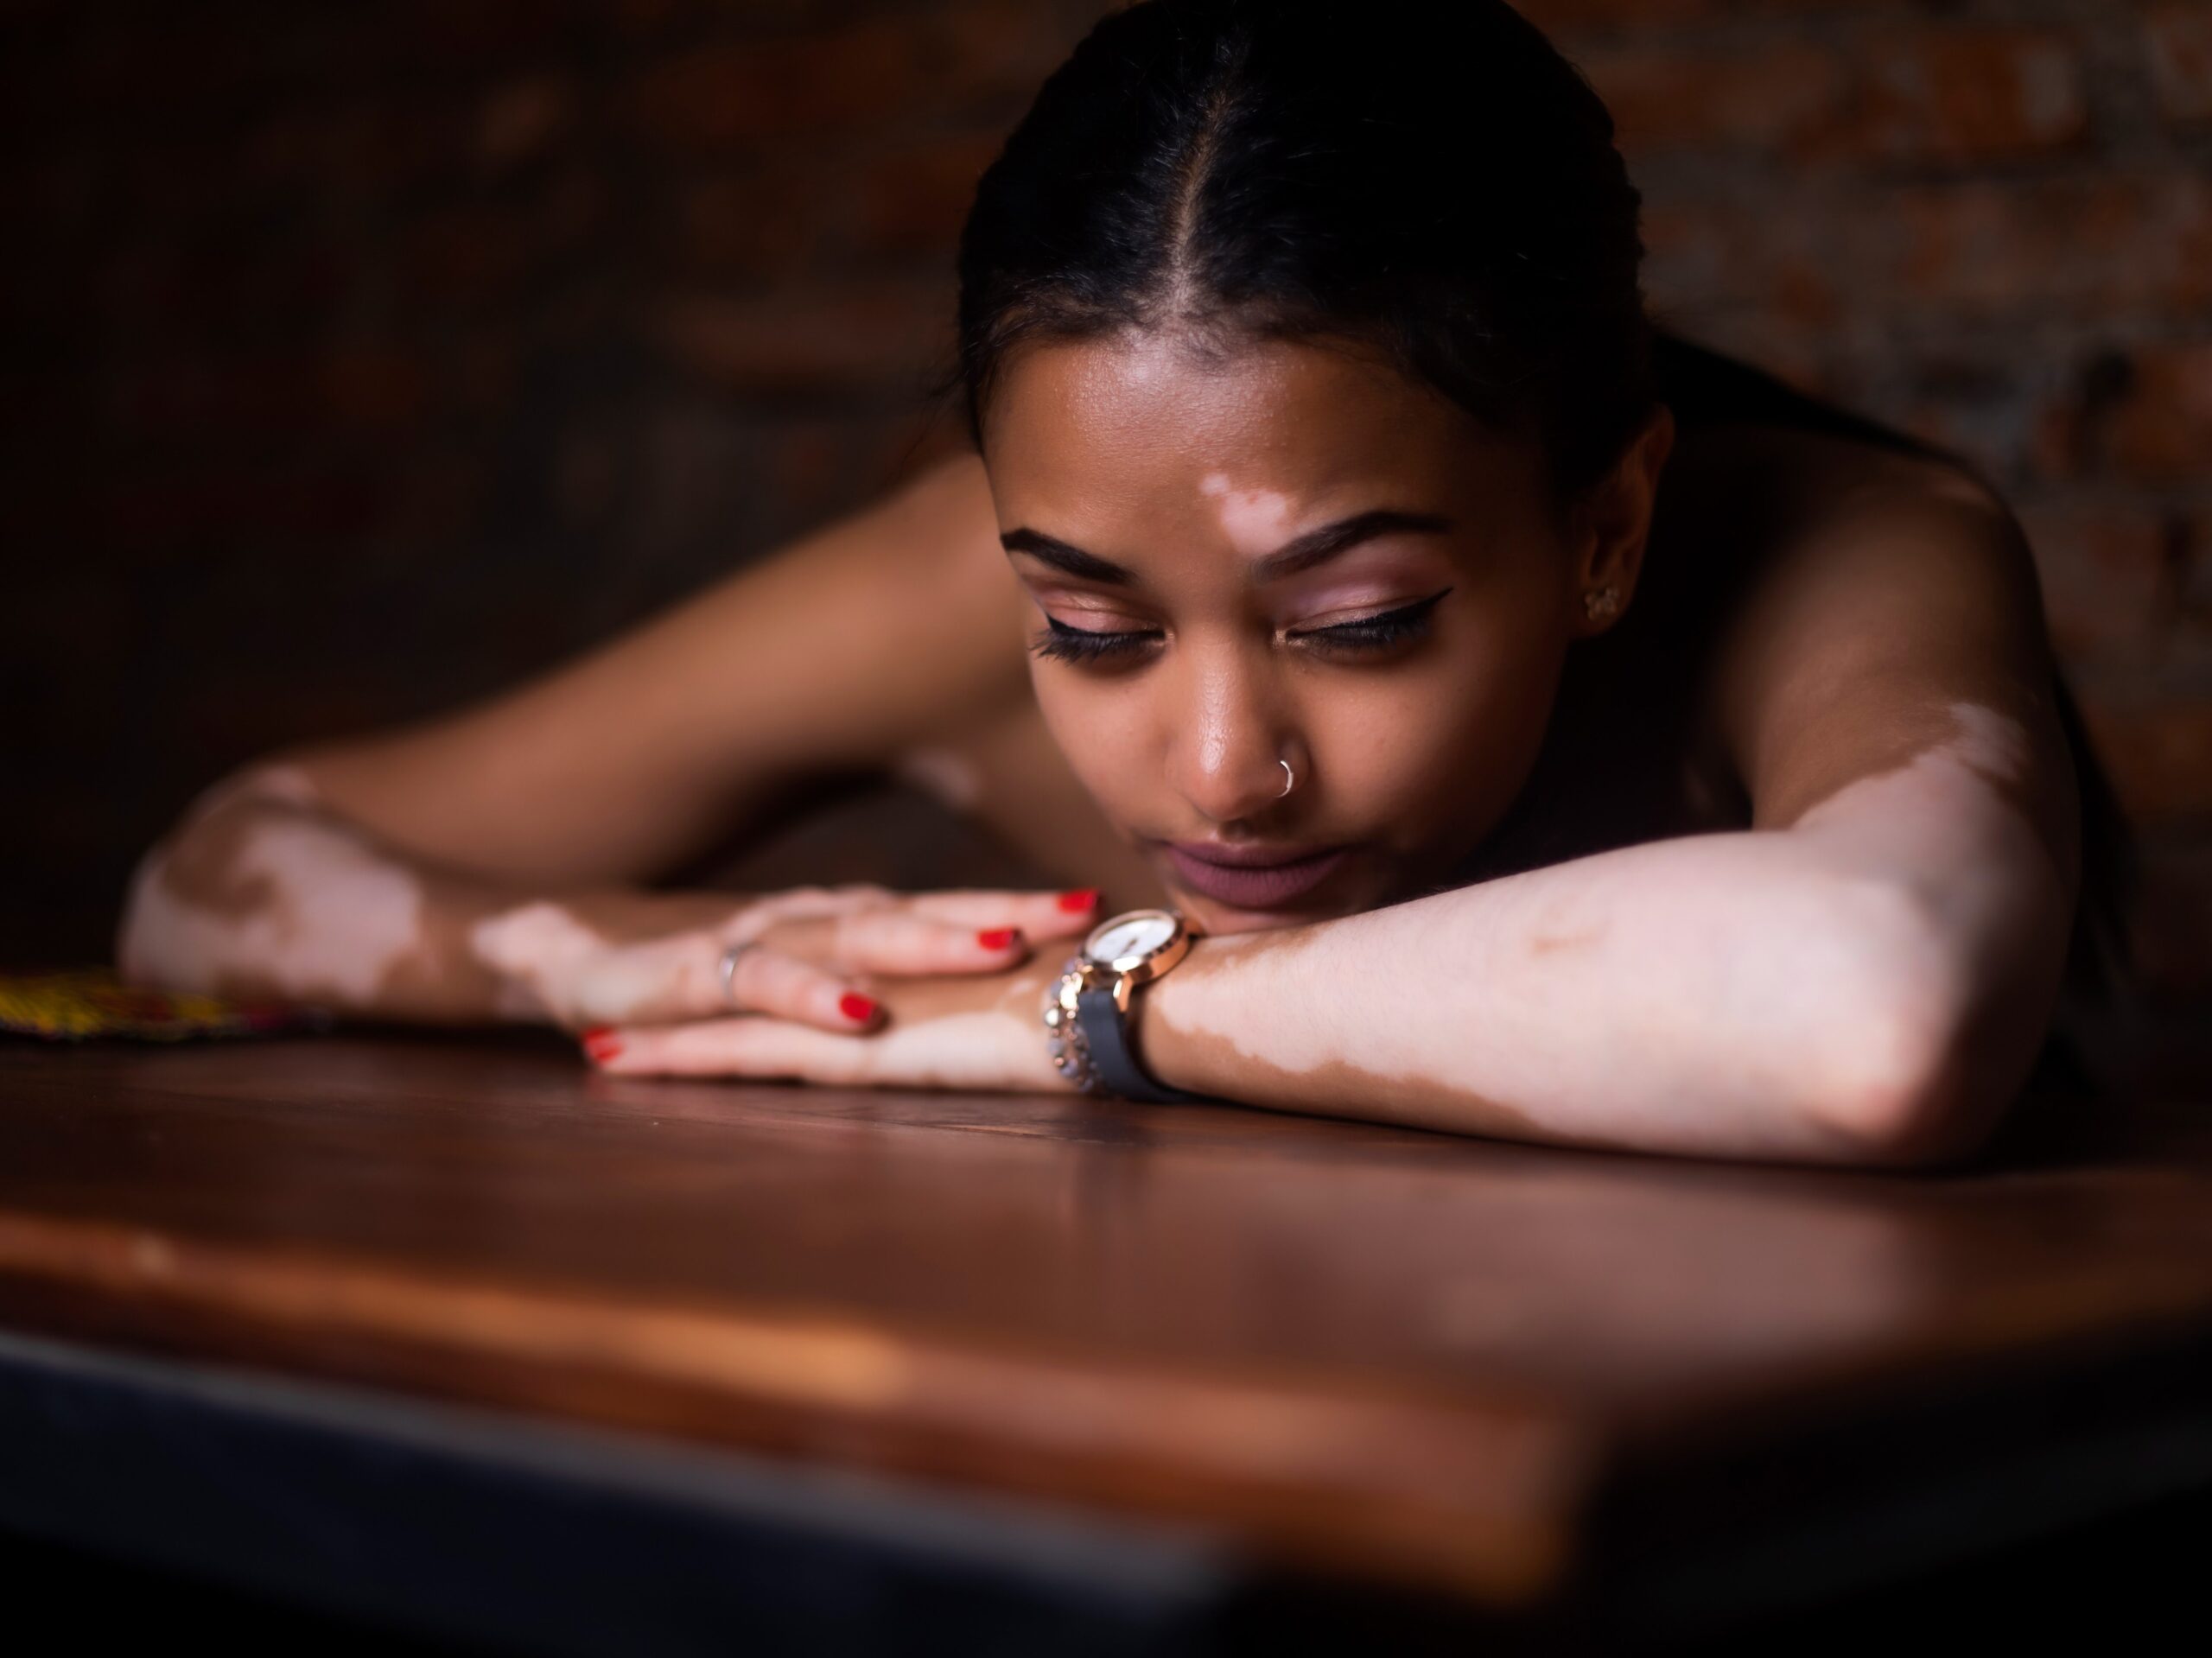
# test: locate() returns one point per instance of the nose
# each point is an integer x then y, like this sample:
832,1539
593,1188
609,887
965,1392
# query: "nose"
1229,744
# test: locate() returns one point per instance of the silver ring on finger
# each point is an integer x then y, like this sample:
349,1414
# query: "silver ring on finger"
726,971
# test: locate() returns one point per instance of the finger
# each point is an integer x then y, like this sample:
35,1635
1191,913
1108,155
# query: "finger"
784,986
797,903
898,941
761,1048
1040,915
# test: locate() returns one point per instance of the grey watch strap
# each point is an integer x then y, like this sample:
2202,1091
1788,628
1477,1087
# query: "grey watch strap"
1109,1043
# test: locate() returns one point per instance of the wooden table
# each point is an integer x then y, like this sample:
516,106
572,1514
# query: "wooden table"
399,1319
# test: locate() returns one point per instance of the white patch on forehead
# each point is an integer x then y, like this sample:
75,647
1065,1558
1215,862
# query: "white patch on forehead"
942,773
342,917
1255,521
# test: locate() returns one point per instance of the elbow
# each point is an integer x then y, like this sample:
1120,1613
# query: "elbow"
1900,1085
1905,1101
157,935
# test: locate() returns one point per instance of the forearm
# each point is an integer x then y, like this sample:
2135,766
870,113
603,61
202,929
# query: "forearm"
260,891
1726,994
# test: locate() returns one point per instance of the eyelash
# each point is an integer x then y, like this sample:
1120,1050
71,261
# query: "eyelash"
1376,632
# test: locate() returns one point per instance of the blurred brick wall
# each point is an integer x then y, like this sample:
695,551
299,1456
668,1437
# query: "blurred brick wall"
361,359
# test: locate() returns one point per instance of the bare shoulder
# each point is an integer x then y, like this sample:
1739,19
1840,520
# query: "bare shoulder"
1896,588
1867,551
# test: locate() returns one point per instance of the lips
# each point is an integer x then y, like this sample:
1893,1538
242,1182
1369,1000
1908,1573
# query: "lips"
1255,886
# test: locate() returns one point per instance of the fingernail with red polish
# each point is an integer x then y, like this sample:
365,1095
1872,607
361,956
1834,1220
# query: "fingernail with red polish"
595,1033
995,937
599,1045
854,1006
1074,902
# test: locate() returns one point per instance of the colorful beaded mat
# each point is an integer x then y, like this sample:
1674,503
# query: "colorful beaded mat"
72,1005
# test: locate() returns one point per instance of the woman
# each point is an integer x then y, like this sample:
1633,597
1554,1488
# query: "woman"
1547,728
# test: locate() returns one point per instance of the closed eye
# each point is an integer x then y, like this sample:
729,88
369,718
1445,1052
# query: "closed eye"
1366,633
1379,631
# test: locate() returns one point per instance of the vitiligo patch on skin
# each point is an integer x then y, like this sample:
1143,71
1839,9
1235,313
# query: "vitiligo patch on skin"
329,920
1975,748
961,1050
523,946
275,781
545,957
1255,521
1305,1059
1221,1023
934,1041
1990,743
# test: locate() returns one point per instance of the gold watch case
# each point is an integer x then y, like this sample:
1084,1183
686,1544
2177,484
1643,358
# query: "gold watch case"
1141,958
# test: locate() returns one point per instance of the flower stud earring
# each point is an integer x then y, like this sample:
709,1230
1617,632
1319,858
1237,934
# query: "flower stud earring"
1602,602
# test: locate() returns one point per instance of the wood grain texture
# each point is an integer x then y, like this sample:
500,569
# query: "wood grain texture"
1465,1365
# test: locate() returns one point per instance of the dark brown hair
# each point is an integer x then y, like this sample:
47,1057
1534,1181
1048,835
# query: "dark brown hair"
1433,184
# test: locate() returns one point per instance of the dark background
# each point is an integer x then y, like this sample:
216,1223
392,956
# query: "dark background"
360,359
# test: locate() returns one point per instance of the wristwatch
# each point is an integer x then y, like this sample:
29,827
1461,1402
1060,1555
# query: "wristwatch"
1086,1009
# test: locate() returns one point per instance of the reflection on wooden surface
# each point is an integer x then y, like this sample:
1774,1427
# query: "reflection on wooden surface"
1394,1354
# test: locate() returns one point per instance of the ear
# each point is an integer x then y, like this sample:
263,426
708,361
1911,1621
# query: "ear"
1610,528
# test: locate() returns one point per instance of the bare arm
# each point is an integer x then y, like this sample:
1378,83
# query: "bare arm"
821,659
438,872
263,891
1861,977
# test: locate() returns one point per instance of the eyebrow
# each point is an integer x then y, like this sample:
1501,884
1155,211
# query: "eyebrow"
1299,553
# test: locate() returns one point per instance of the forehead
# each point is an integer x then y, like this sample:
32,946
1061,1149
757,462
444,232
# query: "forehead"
1072,419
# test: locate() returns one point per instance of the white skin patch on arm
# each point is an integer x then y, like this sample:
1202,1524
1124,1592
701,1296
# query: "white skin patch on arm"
1935,794
523,945
339,918
535,945
1675,1007
1992,743
547,959
1390,1051
957,1050
274,781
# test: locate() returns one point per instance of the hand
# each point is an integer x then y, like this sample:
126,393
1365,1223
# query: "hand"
815,957
970,1031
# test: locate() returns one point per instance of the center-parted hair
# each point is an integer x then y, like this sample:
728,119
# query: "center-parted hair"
1435,184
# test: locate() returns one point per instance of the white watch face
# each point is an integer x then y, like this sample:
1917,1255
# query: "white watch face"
1133,935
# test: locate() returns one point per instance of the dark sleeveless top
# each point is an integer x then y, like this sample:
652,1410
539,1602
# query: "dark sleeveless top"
1611,773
